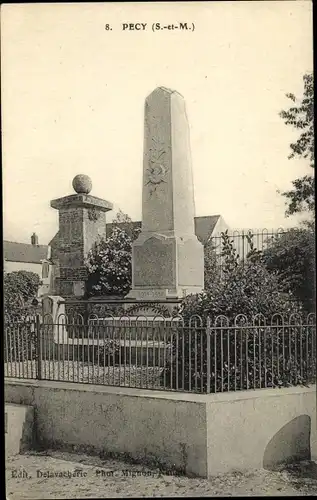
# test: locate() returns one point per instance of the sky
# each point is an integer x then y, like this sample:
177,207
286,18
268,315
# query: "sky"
73,102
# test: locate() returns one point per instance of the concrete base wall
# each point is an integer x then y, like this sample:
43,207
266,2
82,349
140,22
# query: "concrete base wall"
203,435
263,428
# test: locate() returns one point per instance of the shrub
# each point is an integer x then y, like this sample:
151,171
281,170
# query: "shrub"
243,288
242,355
109,263
20,340
211,267
19,289
239,357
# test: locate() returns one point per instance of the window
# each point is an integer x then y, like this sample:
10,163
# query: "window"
45,270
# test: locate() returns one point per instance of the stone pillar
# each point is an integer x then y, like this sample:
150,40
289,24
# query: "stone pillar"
53,309
82,219
168,259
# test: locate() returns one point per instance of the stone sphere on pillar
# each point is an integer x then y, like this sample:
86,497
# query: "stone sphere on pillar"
82,184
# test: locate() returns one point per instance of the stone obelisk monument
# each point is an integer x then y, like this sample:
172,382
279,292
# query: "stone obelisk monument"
167,258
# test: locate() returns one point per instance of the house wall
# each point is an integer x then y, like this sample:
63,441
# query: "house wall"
10,267
220,227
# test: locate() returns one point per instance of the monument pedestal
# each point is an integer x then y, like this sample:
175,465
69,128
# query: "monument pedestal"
82,220
166,266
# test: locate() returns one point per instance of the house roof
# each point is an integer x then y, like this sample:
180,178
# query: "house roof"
204,227
54,241
24,252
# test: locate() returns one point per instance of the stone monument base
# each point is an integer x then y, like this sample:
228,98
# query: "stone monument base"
162,294
166,266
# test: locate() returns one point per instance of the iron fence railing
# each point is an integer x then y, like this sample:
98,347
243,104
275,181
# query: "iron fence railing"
244,239
164,354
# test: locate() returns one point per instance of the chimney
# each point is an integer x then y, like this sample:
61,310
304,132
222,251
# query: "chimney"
34,239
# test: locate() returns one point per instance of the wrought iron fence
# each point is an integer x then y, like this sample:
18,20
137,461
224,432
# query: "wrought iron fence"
242,241
164,354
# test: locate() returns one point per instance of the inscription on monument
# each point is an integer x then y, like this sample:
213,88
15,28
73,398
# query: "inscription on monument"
152,294
154,263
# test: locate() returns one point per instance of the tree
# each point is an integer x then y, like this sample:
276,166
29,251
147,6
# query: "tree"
109,262
301,116
20,288
292,257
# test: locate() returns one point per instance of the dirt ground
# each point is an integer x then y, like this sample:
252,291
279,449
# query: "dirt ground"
82,476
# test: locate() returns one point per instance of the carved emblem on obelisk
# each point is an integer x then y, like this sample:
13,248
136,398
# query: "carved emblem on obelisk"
157,166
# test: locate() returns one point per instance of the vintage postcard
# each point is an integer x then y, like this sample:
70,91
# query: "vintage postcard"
159,249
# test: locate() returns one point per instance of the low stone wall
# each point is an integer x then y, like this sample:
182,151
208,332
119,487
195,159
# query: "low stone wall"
202,435
79,343
19,424
86,350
